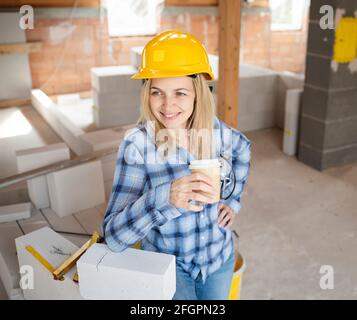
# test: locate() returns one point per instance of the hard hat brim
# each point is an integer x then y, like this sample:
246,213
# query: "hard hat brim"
146,74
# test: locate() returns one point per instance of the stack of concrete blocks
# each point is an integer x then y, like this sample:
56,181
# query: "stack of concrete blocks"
262,95
116,96
30,159
76,188
55,249
131,274
17,82
257,98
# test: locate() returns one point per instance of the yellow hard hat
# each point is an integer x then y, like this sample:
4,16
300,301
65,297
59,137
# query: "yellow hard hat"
173,54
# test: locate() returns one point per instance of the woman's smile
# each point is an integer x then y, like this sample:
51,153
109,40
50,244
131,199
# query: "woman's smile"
170,116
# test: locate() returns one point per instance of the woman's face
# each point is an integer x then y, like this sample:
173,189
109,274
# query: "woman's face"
172,101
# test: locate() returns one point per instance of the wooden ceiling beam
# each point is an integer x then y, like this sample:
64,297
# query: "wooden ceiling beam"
48,3
229,40
188,3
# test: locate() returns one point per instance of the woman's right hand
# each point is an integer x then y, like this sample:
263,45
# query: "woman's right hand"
196,186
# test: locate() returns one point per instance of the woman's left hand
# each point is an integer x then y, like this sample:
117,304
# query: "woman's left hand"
226,215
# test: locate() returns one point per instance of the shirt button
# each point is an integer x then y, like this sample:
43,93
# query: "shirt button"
202,216
202,237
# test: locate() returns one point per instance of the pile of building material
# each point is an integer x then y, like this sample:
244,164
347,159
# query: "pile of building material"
66,191
103,274
75,228
116,96
80,142
65,200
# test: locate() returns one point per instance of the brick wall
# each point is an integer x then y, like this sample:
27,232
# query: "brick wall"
278,50
72,47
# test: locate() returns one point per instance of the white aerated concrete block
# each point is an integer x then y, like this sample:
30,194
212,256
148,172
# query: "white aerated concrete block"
291,124
76,188
55,249
115,79
103,139
15,212
38,192
214,63
108,185
34,158
132,274
115,102
9,267
135,56
108,170
59,122
30,159
106,118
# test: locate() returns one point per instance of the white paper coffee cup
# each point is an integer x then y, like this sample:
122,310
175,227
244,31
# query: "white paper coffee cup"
210,168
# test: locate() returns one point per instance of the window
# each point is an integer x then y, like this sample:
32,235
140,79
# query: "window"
132,17
287,14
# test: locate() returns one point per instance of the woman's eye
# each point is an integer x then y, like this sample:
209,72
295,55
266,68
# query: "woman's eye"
181,94
155,93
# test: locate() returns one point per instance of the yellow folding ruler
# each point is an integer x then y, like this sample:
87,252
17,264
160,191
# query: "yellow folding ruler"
69,263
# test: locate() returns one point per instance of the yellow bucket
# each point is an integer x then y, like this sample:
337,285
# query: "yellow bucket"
239,268
137,245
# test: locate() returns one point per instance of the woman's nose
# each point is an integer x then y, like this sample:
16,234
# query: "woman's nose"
168,102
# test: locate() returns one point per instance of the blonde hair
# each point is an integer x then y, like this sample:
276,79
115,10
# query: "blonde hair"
200,123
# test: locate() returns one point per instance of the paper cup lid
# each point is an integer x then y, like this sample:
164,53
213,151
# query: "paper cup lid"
198,164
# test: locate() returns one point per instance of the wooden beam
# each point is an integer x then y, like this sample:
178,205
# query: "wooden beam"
82,95
228,82
27,47
49,3
14,103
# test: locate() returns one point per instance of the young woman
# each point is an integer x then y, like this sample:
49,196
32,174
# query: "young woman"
155,196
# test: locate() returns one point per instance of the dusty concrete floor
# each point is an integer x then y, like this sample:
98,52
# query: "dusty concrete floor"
293,221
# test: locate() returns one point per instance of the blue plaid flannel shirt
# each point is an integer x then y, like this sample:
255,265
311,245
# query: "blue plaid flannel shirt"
139,206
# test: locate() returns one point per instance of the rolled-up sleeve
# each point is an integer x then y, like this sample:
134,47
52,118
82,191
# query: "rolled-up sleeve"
131,212
241,154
